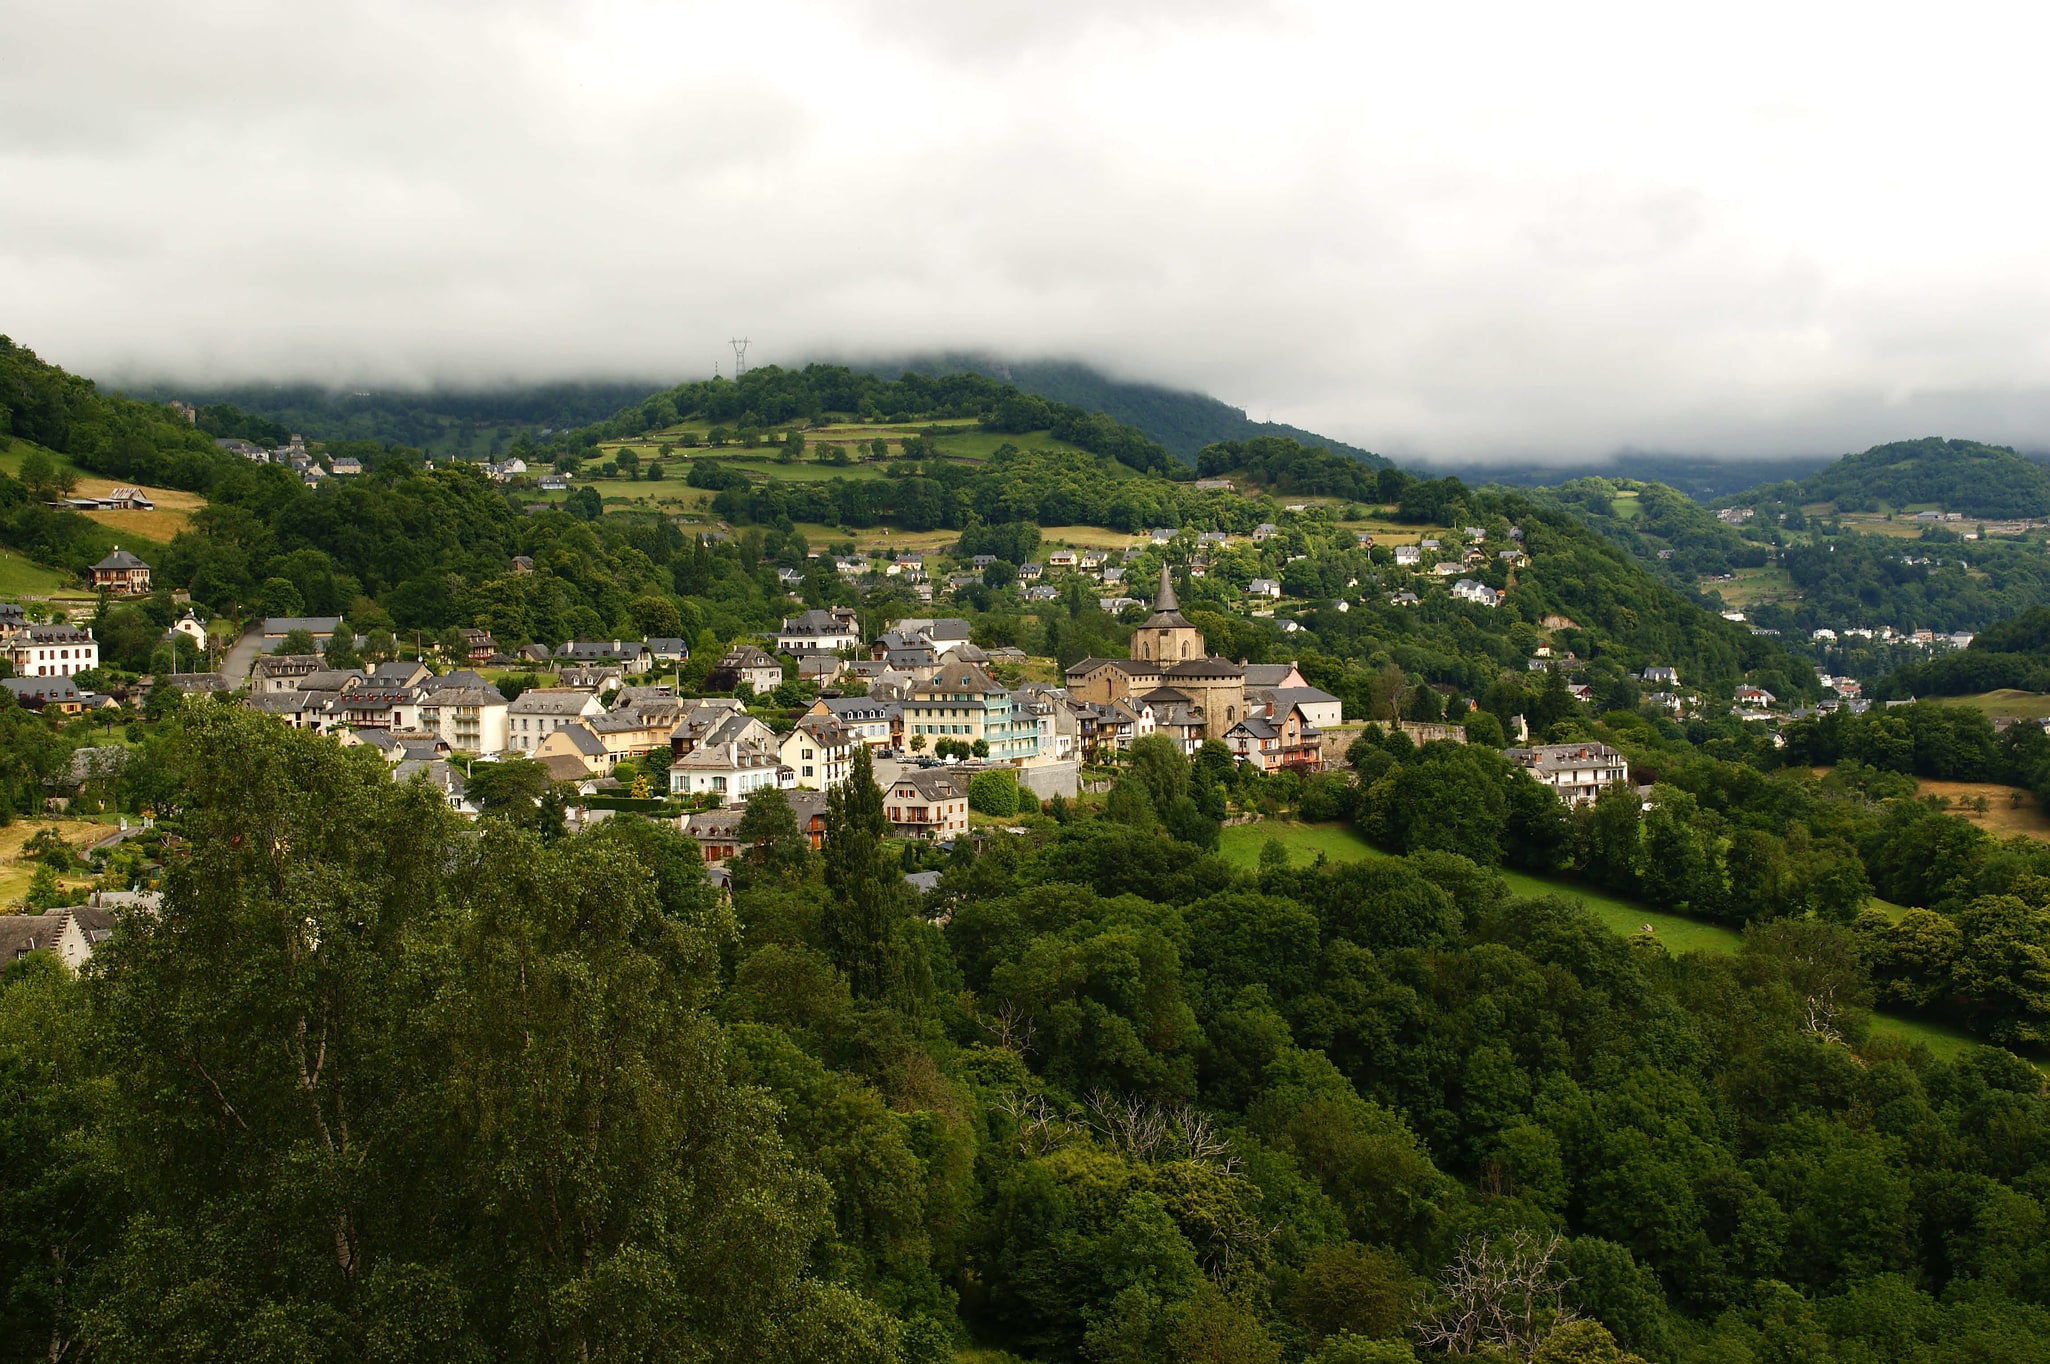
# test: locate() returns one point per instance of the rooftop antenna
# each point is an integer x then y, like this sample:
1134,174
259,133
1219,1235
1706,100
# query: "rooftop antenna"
739,345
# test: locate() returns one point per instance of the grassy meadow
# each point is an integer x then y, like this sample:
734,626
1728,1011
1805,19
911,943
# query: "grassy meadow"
2003,701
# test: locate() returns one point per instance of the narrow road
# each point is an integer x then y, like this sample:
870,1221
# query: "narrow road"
241,656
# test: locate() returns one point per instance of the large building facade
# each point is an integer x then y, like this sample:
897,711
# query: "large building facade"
1168,666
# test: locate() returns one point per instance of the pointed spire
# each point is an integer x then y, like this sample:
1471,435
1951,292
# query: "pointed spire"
1165,601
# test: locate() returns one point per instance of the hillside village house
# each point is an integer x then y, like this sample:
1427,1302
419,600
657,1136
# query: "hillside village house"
538,712
52,650
1285,740
1575,772
963,703
717,832
818,632
927,802
58,694
122,574
469,718
738,756
749,664
631,655
819,752
867,719
190,626
322,628
283,672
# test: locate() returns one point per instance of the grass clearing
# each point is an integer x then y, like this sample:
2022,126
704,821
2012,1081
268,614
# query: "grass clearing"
21,578
1944,1043
2010,810
1241,844
2003,701
1751,586
16,872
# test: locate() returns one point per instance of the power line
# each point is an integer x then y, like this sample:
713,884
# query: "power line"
739,345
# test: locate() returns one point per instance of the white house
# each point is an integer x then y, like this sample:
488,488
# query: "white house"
1477,592
52,650
538,712
1264,587
469,718
819,751
817,632
1575,772
737,757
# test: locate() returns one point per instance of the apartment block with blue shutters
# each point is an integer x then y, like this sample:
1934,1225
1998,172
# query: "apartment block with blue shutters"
964,703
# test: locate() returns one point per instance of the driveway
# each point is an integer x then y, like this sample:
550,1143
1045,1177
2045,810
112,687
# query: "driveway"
241,656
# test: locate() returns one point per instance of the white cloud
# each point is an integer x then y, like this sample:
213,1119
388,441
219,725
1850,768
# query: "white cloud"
1438,231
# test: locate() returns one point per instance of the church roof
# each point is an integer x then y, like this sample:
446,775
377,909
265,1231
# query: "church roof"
1166,610
1206,667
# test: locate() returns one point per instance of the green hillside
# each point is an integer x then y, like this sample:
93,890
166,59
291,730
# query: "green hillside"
1182,421
1962,476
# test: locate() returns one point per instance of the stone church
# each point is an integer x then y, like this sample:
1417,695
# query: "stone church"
1169,670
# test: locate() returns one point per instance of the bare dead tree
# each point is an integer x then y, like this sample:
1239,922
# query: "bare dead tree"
1199,1139
1130,1126
1039,1126
1503,1294
1821,1013
1013,1029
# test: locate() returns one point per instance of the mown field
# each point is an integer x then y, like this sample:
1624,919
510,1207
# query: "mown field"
16,873
2003,701
1241,844
2010,810
1752,586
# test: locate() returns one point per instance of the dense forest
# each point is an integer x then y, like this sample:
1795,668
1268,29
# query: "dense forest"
1664,530
1956,475
373,1087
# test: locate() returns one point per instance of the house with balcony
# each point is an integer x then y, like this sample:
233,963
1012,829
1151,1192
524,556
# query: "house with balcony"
737,756
470,716
538,712
928,802
963,703
122,574
1576,773
819,751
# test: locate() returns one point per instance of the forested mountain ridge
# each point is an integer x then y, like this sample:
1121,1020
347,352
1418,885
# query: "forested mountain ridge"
1964,476
1181,420
472,423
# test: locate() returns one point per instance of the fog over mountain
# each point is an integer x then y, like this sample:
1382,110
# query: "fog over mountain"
1475,234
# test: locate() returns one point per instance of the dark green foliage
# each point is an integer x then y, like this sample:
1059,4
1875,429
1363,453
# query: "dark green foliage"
863,919
1957,475
994,792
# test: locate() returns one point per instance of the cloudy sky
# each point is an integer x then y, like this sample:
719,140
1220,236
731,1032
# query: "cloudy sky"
1465,231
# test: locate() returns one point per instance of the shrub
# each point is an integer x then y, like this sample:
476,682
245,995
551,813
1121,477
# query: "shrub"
993,793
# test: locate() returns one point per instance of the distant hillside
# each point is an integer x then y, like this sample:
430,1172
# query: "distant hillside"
1662,529
1957,475
1704,480
1181,421
472,423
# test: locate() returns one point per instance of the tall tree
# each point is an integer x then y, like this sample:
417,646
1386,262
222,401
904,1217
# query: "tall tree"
867,904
